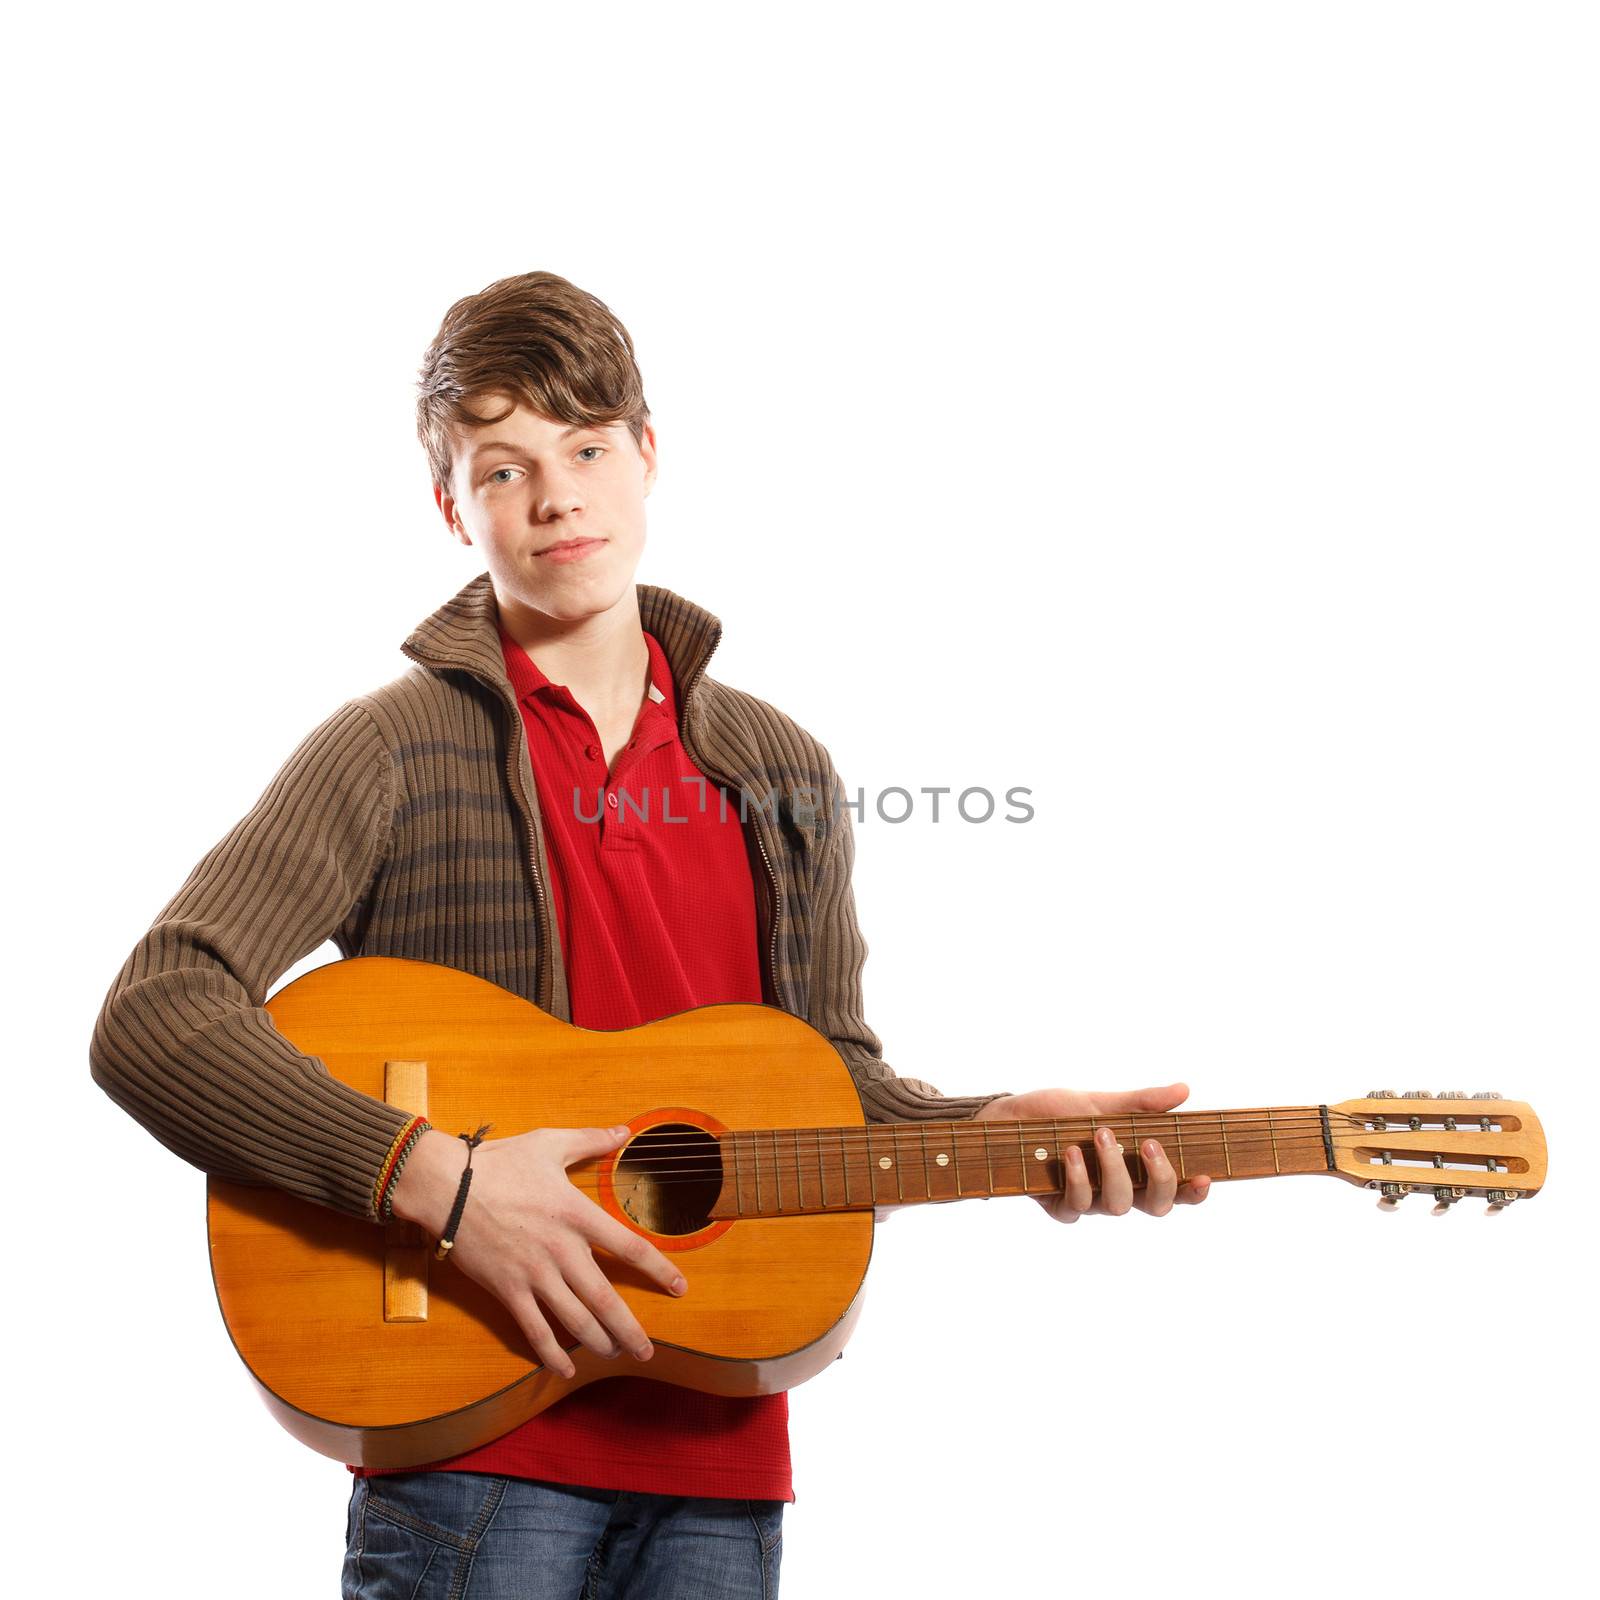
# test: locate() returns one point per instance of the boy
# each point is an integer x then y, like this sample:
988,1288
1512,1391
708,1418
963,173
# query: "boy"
483,811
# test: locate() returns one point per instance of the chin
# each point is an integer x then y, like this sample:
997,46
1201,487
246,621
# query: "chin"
573,601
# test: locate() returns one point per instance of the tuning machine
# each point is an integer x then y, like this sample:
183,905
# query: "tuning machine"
1488,1094
1445,1195
1383,1094
1391,1194
1417,1094
1450,1094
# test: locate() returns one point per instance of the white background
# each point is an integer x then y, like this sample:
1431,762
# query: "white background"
1187,412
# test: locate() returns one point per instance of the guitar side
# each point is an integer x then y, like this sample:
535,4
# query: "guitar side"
771,1300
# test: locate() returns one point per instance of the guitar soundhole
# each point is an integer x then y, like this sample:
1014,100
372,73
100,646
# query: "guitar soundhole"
668,1179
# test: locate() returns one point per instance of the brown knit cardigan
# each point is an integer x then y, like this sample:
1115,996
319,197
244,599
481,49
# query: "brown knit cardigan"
408,824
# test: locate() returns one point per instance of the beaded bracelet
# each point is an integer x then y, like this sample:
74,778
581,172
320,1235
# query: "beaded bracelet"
388,1178
447,1239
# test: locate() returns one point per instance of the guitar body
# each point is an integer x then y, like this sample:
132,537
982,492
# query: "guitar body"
369,1351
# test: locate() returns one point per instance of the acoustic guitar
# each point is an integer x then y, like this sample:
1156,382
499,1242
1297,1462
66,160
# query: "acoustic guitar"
750,1156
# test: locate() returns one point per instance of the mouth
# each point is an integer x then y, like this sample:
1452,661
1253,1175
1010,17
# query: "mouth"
571,549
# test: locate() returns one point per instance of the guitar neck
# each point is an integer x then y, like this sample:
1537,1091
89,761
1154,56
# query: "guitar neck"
770,1172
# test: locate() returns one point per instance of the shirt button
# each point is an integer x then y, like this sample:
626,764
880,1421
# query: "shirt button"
611,800
592,751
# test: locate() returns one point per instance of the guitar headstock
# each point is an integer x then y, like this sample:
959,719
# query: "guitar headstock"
1447,1145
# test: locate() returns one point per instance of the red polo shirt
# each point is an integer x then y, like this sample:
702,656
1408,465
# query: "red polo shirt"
656,908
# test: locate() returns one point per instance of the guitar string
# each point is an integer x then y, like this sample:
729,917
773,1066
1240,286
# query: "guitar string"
802,1144
1299,1119
1006,1130
781,1144
1003,1134
1209,1156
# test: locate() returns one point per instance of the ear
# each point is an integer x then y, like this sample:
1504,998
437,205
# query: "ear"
447,509
647,450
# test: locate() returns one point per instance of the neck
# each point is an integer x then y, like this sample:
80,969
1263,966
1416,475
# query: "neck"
602,657
791,1171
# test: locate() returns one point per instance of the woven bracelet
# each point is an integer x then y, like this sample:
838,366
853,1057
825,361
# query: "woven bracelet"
447,1240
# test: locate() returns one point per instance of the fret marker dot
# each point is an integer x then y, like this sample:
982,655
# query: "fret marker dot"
883,1161
942,1159
1040,1154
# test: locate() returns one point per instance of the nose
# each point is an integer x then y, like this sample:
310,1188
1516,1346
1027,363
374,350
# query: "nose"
557,496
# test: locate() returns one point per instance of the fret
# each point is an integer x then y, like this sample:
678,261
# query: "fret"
844,1164
899,1185
927,1167
1022,1159
1138,1154
955,1153
1276,1167
777,1168
822,1172
799,1183
872,1171
738,1177
755,1162
1226,1158
1094,1144
1177,1129
988,1153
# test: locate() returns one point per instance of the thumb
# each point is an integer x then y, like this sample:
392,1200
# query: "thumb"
1162,1099
584,1143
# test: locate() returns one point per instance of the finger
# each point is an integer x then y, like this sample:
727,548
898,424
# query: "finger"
550,1286
1116,1187
583,1144
598,1293
1160,1181
537,1332
630,1247
1194,1190
1078,1193
1056,1207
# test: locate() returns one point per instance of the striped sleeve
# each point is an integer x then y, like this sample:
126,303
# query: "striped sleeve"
838,954
182,1042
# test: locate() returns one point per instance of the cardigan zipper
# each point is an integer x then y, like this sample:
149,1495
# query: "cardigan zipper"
723,778
546,976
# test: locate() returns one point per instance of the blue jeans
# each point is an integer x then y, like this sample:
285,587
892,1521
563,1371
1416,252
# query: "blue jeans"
475,1536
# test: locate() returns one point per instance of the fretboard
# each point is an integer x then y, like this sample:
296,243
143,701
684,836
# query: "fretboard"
771,1172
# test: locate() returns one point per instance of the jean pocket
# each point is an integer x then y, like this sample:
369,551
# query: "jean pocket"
767,1515
449,1508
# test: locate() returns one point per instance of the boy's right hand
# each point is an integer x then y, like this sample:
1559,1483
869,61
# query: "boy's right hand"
528,1234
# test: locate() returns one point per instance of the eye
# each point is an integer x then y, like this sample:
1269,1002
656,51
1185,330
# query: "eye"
600,447
494,477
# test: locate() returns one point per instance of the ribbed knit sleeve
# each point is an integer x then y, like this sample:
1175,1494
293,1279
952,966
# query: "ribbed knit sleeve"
838,954
182,1042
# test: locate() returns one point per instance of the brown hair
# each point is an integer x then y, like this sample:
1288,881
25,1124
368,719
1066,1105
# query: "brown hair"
552,345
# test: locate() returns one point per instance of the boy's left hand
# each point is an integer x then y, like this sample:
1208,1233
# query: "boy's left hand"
1117,1194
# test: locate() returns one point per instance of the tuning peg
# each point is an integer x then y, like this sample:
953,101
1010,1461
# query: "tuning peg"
1392,1194
1488,1094
1450,1094
1383,1094
1417,1094
1446,1196
1499,1199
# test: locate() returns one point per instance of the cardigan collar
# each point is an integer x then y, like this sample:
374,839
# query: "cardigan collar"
465,632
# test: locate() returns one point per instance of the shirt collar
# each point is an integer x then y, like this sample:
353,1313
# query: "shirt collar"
465,633
527,679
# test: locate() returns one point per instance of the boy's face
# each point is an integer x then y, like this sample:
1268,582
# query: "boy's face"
521,488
